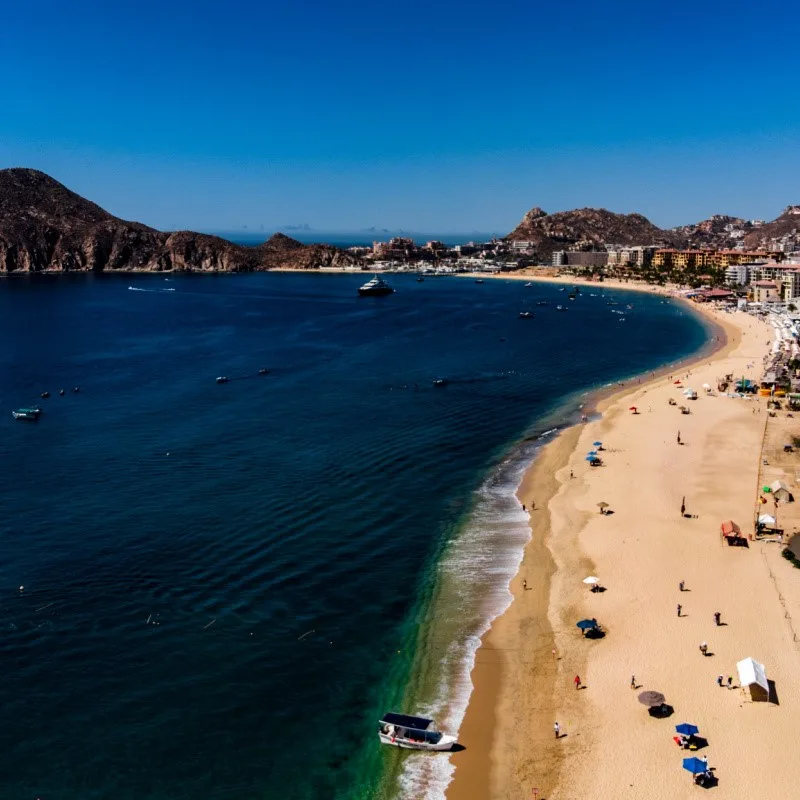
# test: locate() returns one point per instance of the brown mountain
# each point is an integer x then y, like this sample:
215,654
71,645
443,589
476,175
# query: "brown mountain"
786,224
44,227
589,229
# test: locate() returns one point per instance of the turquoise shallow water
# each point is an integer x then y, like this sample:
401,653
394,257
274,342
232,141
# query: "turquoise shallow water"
224,585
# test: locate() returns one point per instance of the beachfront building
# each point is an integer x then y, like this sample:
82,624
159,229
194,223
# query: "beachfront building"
559,258
521,246
739,274
765,292
785,276
681,260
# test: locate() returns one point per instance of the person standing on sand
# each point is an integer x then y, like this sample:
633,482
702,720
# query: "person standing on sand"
633,681
682,586
679,437
557,730
719,681
730,681
680,608
577,681
717,616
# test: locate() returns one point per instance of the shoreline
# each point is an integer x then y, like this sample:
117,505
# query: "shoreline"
520,648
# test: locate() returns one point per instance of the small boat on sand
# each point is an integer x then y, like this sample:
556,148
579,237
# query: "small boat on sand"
412,733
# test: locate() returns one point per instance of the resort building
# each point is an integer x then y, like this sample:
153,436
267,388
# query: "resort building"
765,292
714,259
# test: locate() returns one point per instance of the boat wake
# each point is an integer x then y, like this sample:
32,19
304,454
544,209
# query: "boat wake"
472,590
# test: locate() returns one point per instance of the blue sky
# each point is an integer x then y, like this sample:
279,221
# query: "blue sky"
427,116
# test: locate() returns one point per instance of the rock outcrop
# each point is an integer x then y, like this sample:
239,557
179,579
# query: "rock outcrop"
44,227
589,229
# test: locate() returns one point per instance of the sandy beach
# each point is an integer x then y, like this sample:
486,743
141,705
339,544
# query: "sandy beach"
524,672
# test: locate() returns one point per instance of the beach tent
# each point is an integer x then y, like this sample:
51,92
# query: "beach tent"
766,519
781,492
730,528
753,677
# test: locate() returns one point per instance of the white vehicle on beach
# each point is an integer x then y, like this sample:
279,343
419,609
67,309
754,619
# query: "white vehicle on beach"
412,733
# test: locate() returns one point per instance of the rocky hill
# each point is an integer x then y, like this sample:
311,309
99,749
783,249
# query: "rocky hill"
786,224
44,227
589,229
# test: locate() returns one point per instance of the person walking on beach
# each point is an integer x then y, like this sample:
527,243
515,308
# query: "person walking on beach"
679,437
557,730
719,681
571,474
680,608
682,586
577,681
730,681
717,615
524,584
683,506
633,681
704,648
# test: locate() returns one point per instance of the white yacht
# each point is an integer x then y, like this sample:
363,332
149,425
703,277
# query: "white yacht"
412,733
375,288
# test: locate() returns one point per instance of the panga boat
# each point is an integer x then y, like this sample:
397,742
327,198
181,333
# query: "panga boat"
479,280
26,413
440,382
377,287
222,379
525,314
412,733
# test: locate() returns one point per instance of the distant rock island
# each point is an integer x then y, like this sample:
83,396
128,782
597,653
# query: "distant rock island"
45,227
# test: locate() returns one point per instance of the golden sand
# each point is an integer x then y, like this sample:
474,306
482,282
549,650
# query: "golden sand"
611,746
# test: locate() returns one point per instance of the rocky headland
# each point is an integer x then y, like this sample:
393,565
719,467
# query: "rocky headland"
45,227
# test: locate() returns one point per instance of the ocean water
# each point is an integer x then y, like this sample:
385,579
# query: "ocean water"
225,585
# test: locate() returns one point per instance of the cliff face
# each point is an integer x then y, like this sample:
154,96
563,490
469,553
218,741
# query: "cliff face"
44,227
587,229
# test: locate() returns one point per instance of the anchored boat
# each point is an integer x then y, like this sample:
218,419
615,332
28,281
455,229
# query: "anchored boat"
412,733
26,413
377,287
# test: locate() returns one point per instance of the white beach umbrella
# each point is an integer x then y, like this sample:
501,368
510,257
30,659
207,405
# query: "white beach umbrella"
706,386
591,580
766,519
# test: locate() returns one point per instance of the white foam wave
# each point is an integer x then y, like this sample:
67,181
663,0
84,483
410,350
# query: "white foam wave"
475,573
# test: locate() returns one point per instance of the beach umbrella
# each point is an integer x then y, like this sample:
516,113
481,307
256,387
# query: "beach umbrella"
597,444
694,765
687,729
633,408
766,519
592,453
706,386
651,699
677,383
602,506
590,458
591,580
586,624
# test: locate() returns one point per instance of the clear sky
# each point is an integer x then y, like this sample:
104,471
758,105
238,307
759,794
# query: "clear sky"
428,116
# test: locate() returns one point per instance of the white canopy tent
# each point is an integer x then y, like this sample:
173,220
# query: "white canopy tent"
781,491
753,676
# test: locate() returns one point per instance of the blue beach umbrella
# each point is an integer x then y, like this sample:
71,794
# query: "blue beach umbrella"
597,444
586,624
687,729
694,765
590,458
592,452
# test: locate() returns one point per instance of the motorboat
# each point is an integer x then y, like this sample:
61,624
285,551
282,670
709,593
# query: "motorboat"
263,371
412,733
480,280
61,392
525,314
26,413
561,308
440,382
44,395
223,379
377,287
528,285
541,302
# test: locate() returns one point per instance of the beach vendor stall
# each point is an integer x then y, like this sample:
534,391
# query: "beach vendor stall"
753,679
731,532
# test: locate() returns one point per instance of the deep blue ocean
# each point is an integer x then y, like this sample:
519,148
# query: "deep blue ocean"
225,585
